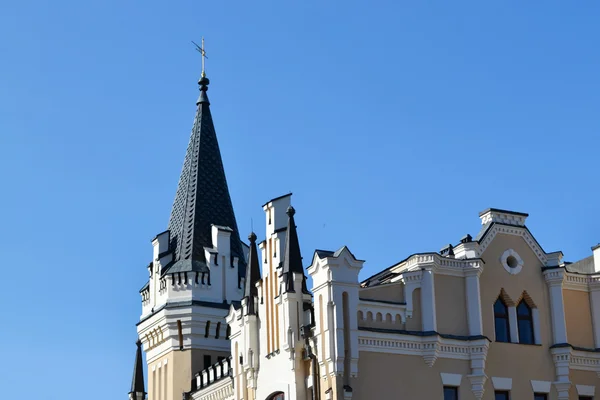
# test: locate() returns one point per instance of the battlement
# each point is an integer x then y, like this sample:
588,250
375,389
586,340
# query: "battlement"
212,374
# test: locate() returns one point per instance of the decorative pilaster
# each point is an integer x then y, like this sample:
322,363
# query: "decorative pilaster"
478,376
513,324
595,303
412,281
428,301
562,358
554,279
473,296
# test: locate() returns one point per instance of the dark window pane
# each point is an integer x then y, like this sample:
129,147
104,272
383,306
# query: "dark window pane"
502,330
450,393
525,332
525,323
586,398
207,362
500,307
523,309
540,396
501,395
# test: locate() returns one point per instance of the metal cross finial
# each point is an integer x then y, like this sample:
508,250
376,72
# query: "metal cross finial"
201,50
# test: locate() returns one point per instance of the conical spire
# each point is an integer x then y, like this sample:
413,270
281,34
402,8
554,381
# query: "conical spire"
137,382
202,197
292,260
252,275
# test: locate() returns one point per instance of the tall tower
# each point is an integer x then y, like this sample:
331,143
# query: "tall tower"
197,269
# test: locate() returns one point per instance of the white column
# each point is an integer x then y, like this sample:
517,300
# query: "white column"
554,279
513,324
473,301
537,329
428,301
595,305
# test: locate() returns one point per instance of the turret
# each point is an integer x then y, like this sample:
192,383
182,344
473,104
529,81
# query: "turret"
138,392
197,269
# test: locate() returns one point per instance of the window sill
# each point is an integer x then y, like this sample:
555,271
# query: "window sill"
524,344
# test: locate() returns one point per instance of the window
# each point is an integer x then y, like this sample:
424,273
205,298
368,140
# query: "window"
586,398
277,396
525,323
207,361
540,396
501,321
501,395
450,393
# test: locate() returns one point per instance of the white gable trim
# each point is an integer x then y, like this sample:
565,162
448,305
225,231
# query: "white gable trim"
514,231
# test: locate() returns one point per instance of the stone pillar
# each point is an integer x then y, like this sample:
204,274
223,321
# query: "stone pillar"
428,301
513,324
595,304
473,296
554,279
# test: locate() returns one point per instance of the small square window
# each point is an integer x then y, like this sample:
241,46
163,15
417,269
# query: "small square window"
540,396
501,395
450,393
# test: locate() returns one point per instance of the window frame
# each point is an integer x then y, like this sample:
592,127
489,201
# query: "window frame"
502,392
505,316
453,388
528,319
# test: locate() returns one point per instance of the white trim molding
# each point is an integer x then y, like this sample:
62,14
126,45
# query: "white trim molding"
517,261
502,383
514,231
541,386
585,390
450,379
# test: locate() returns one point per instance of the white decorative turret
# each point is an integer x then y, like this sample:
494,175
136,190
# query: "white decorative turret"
335,288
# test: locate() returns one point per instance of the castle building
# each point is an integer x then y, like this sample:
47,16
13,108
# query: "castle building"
493,316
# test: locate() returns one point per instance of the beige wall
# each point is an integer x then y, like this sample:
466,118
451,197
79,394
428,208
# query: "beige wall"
578,316
451,305
530,279
186,364
520,362
382,374
588,378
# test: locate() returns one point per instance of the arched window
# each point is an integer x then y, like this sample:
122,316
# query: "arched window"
276,396
525,323
501,321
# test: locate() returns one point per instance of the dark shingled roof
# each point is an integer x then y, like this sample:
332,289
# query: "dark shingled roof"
292,259
252,275
202,197
137,382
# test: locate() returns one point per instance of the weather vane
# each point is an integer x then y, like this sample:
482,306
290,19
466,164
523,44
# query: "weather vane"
201,50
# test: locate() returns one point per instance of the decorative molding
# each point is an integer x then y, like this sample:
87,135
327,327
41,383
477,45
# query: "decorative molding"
541,386
514,231
478,385
501,383
429,347
511,269
451,379
585,390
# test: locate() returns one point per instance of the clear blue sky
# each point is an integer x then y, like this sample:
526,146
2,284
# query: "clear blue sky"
393,124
